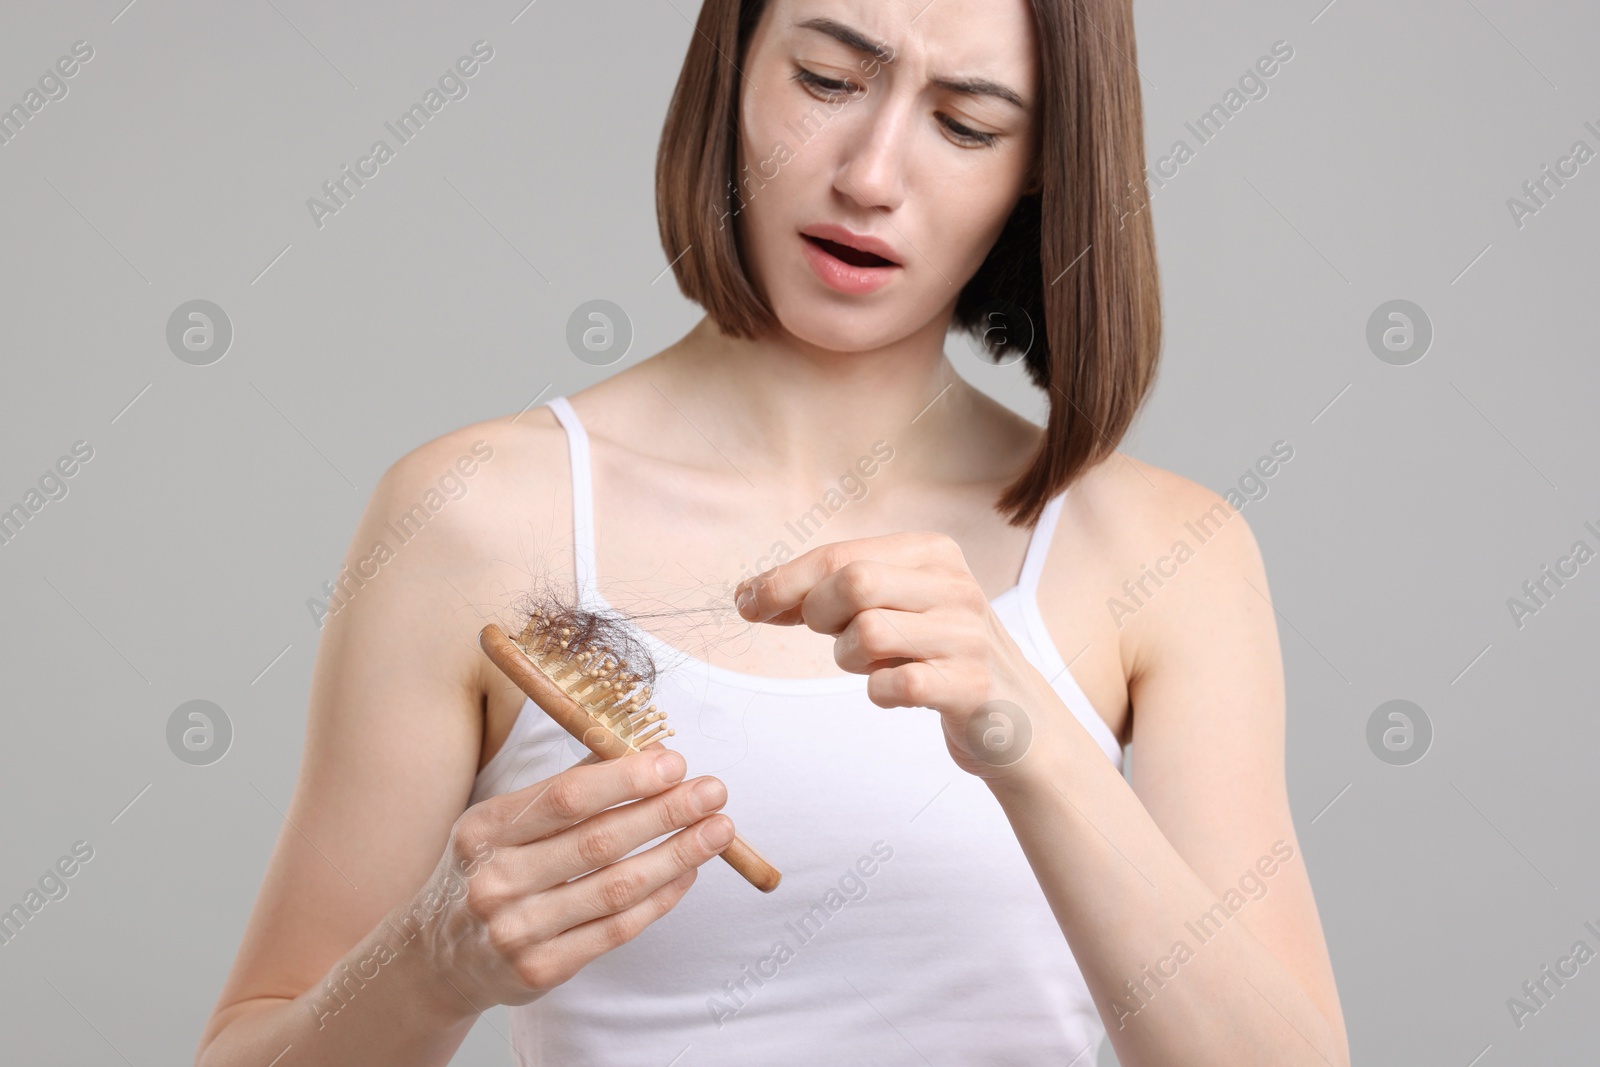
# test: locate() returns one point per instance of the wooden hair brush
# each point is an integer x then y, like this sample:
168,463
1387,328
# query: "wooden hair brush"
566,663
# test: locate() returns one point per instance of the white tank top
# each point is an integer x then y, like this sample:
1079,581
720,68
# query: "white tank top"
907,919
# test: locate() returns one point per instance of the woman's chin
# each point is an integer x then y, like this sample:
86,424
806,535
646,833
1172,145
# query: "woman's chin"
825,324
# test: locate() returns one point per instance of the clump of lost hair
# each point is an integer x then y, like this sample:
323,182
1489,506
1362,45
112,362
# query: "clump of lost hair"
550,606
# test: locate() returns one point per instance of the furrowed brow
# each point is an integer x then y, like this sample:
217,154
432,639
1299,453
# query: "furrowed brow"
853,38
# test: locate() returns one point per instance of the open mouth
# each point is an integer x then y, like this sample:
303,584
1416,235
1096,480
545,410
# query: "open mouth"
853,256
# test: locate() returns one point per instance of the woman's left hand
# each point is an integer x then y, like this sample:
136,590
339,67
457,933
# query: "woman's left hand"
905,610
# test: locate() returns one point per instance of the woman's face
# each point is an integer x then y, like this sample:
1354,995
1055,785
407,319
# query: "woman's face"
916,146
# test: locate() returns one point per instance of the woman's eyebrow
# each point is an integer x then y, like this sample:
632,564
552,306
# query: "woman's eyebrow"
860,42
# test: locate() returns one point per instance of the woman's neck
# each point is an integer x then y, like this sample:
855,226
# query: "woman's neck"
798,412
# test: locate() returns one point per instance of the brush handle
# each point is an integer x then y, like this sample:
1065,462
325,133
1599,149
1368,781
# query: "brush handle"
570,715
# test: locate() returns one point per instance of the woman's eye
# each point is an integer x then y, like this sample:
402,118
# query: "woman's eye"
826,86
970,136
831,89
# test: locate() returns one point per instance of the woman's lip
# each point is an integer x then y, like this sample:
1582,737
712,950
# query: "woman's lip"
845,277
827,231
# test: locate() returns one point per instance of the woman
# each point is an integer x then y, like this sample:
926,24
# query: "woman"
838,184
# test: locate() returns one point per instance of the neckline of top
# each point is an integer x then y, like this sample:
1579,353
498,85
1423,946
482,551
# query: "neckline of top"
589,590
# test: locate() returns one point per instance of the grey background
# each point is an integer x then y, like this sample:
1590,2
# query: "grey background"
219,498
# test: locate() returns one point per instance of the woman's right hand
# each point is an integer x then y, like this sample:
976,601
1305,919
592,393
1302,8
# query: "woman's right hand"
532,885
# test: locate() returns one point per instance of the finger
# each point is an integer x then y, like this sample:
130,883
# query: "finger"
574,794
863,584
611,835
570,951
909,685
620,886
880,637
772,595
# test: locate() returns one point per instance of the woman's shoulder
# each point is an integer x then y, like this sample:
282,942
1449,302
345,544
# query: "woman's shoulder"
1136,505
1163,546
531,426
494,495
510,476
486,507
526,449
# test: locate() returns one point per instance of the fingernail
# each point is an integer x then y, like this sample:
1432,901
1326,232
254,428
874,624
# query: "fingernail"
744,600
707,793
717,833
669,765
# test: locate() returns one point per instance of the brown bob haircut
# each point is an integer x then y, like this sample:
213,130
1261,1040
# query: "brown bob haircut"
1073,273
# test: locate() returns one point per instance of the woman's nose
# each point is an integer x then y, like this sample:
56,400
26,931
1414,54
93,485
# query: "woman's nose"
873,169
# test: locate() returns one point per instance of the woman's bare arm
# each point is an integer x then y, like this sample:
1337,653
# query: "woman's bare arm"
393,736
391,913
1185,898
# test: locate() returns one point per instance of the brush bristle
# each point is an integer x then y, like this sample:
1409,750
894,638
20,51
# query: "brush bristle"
596,678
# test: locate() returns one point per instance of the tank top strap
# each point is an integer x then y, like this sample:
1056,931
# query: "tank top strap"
583,540
583,549
1039,543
